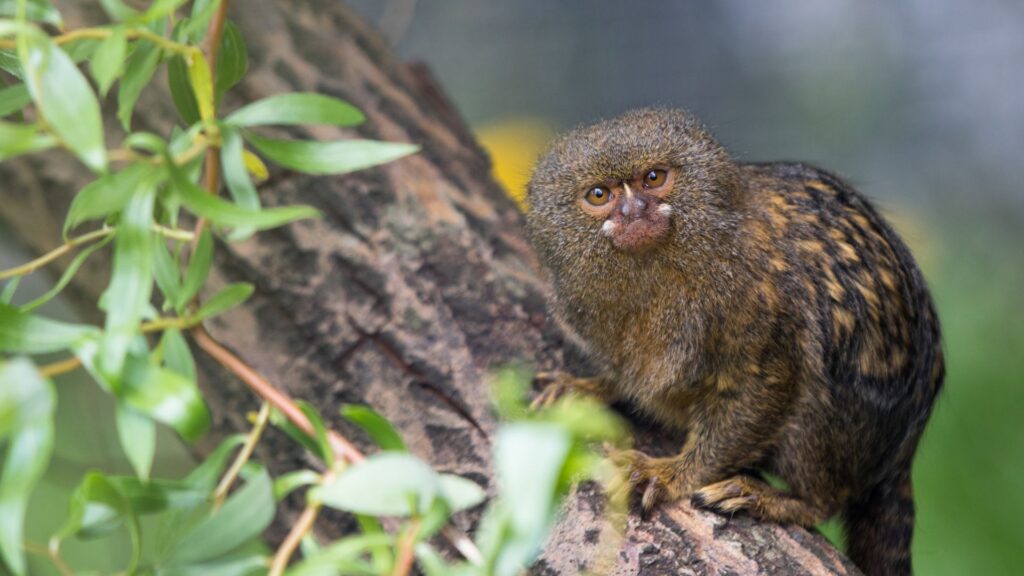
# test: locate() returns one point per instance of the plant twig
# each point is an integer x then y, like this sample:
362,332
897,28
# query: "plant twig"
407,549
100,33
342,448
302,526
59,367
30,267
243,456
57,252
46,552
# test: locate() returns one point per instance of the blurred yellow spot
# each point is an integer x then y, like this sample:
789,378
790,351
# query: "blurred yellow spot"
255,166
915,233
514,145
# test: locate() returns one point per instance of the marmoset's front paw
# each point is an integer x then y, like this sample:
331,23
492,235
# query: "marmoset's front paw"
661,479
555,385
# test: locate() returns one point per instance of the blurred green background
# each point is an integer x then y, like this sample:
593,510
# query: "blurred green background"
919,104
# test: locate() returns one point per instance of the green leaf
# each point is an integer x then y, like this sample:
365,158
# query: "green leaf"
17,139
27,404
110,193
342,557
236,176
22,333
159,393
379,429
207,474
224,300
7,294
386,484
13,98
320,431
108,60
63,97
232,59
159,9
167,397
295,433
138,439
118,10
168,279
181,90
98,507
288,483
202,83
131,280
35,10
137,73
198,268
460,493
337,157
225,213
177,354
297,108
243,517
66,277
195,27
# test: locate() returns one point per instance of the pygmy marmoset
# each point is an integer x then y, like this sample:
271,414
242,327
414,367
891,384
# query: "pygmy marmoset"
766,311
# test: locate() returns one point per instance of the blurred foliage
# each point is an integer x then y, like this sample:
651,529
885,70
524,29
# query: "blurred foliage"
514,145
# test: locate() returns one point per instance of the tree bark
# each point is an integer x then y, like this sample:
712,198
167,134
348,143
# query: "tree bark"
416,282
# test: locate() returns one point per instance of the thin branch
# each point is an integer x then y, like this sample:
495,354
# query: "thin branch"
243,456
100,33
407,549
342,448
302,526
50,553
59,367
55,253
30,267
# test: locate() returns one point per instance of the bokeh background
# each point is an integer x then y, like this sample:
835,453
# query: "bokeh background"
919,103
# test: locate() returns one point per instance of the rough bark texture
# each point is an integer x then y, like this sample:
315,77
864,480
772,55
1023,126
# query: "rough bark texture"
415,282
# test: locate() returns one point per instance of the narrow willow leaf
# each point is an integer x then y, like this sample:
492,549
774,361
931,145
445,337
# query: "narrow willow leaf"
9,62
165,271
195,26
35,10
7,295
337,157
159,9
243,517
232,59
297,108
181,90
110,193
64,98
137,73
386,484
379,429
202,83
22,333
224,300
138,439
146,141
343,556
177,354
108,61
460,493
98,506
320,431
27,453
118,10
288,483
167,397
255,166
131,280
198,268
17,139
236,176
225,213
66,277
13,99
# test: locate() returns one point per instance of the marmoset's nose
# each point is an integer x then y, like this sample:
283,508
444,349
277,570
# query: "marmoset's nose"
633,205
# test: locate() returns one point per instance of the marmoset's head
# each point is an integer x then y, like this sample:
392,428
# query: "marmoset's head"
647,180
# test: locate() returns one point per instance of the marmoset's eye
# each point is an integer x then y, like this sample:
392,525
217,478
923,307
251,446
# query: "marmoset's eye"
598,196
655,178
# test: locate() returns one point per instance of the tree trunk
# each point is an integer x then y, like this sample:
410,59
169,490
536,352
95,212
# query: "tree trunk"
416,282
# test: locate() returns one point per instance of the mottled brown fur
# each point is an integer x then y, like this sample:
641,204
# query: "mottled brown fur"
779,325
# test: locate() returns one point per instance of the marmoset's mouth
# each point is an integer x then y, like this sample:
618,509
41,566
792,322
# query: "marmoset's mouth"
639,227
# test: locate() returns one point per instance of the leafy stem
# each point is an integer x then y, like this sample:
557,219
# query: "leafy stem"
221,493
101,33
